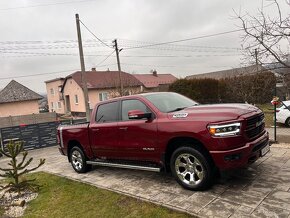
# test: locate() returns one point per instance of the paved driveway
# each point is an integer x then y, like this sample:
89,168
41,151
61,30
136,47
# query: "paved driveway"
262,190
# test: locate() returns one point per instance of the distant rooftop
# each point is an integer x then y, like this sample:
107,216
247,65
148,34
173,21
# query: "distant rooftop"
154,80
15,92
56,79
105,79
229,73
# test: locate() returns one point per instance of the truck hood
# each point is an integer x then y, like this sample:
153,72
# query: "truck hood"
214,112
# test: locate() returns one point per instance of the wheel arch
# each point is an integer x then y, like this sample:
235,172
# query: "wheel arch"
71,144
177,142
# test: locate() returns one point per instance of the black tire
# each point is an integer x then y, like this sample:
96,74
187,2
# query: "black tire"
191,168
287,122
78,160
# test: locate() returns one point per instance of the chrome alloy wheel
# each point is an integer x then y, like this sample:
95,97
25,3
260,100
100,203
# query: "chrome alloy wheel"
76,159
189,169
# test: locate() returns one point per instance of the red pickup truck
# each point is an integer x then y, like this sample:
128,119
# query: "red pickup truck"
167,131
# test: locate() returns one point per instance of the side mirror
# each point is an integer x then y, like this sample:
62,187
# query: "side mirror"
137,114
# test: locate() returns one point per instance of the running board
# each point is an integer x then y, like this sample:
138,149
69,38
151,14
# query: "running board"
125,166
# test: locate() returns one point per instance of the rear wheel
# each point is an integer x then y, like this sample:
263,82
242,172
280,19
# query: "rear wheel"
287,122
78,160
191,168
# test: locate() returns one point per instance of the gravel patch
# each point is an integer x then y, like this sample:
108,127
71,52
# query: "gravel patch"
9,201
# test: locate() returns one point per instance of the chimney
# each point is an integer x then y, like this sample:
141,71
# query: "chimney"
93,69
154,72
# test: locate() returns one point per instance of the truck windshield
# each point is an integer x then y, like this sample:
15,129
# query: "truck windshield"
170,102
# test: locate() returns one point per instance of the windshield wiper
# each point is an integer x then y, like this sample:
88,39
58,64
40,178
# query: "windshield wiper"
181,108
177,109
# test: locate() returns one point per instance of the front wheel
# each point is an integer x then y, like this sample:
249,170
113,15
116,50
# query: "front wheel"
78,160
191,168
287,122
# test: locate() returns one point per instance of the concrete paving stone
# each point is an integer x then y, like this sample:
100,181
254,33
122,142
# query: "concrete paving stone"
180,202
259,189
263,186
217,189
163,197
199,200
281,152
242,211
280,199
282,187
219,208
177,189
265,210
276,161
148,193
241,197
286,165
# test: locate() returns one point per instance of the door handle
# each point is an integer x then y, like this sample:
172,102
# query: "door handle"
123,128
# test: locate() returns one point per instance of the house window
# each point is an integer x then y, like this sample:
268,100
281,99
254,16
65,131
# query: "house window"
76,99
103,96
51,105
52,91
59,105
59,88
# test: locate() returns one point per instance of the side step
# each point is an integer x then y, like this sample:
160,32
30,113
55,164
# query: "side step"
125,166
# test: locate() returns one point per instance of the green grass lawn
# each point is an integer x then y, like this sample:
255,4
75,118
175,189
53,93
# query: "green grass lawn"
61,197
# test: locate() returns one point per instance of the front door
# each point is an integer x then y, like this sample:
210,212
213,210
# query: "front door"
138,138
67,102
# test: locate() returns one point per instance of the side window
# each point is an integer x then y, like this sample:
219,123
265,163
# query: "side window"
128,105
107,112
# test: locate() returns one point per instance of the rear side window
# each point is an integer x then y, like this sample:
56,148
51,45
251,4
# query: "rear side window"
107,113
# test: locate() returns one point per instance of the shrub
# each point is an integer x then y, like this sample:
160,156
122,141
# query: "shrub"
17,169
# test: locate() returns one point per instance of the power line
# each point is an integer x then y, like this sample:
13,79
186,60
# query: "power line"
44,5
185,46
94,35
38,74
105,59
184,40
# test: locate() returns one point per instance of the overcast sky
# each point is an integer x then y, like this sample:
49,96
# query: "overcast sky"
39,36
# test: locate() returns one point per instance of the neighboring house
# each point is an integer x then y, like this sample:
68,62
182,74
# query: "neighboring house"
101,85
242,71
55,99
16,99
155,82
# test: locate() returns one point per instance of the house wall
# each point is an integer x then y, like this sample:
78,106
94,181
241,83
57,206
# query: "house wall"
19,108
55,98
72,89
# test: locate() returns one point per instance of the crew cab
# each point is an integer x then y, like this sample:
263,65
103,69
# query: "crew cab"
167,131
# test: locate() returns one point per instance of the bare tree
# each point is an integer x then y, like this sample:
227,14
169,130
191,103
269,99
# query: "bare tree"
266,40
266,37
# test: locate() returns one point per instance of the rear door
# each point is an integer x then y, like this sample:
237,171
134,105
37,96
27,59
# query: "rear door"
104,132
138,138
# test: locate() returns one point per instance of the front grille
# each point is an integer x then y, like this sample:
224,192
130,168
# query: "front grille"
255,125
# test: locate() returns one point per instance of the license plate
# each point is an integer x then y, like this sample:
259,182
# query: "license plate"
265,150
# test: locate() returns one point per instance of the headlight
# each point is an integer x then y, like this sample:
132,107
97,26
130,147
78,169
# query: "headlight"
225,130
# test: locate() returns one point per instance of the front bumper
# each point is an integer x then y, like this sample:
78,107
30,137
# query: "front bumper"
242,156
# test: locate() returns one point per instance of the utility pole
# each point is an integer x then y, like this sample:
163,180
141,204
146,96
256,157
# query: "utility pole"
256,57
119,66
83,71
